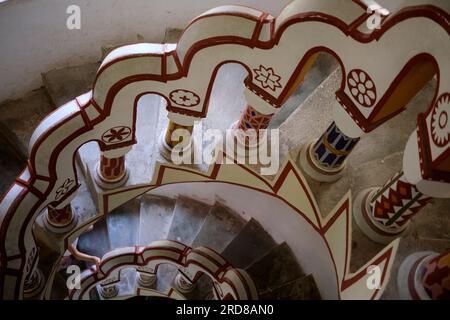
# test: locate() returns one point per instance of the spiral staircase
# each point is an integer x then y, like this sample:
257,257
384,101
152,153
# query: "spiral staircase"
251,255
243,243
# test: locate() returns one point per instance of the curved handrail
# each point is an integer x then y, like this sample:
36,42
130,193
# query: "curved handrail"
255,40
230,283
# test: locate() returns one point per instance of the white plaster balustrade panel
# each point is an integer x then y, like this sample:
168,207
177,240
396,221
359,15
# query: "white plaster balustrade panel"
140,69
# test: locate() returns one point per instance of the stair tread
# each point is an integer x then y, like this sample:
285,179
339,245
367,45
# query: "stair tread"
22,116
188,217
128,282
249,245
155,218
9,167
277,267
59,288
144,153
221,226
123,224
228,90
203,287
319,72
165,276
301,289
65,84
95,242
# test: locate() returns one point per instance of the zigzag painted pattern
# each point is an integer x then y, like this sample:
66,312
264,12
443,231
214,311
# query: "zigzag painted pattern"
437,277
397,194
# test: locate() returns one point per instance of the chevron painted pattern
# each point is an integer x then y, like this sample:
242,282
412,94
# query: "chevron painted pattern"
397,202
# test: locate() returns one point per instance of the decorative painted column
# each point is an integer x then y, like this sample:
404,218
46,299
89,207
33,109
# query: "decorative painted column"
146,277
183,284
246,131
425,276
60,220
324,159
167,143
111,171
109,291
252,119
384,213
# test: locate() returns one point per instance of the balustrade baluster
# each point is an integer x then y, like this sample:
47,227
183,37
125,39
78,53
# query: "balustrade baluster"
112,171
324,159
60,220
385,213
109,291
183,284
146,277
34,284
175,135
425,276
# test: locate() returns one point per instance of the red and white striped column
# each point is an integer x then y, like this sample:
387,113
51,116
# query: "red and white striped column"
112,171
60,220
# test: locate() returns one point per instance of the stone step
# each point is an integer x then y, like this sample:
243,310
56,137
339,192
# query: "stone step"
93,295
65,84
203,288
59,288
10,167
22,116
141,159
128,282
95,242
165,277
276,268
301,289
11,145
172,35
324,66
188,217
249,245
221,226
155,218
123,224
227,100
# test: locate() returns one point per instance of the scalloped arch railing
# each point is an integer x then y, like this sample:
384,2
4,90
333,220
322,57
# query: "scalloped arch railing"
228,282
381,60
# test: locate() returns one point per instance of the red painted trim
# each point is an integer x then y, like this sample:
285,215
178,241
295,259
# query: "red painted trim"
433,13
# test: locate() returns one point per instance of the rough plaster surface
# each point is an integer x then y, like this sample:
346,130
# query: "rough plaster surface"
35,39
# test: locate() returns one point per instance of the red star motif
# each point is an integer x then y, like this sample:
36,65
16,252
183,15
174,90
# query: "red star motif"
116,134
